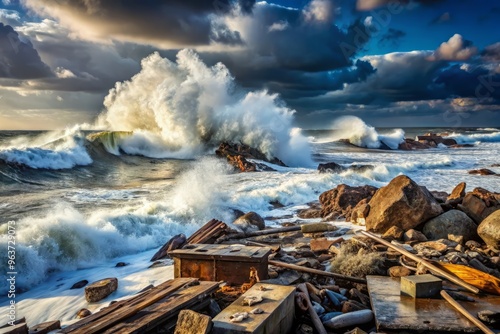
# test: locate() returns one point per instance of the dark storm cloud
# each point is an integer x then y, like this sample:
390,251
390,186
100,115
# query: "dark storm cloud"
492,53
158,22
477,82
392,37
18,59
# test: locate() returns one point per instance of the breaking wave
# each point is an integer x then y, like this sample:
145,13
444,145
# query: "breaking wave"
182,109
493,137
360,134
52,150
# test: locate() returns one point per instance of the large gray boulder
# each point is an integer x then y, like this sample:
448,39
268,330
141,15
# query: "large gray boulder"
452,225
489,230
401,203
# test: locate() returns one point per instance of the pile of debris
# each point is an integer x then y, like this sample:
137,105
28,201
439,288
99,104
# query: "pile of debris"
435,251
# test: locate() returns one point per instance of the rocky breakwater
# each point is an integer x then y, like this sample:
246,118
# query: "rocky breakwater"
240,156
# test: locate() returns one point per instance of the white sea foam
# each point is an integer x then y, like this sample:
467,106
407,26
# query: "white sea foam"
181,109
493,137
52,150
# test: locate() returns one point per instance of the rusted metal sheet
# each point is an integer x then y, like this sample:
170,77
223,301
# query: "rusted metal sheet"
398,313
230,263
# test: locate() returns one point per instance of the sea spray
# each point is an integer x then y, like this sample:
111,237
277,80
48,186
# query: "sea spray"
361,134
185,108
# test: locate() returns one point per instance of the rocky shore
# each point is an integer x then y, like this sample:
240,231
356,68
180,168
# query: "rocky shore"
329,261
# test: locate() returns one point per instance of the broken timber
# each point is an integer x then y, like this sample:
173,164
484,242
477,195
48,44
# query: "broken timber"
437,271
147,311
317,272
208,233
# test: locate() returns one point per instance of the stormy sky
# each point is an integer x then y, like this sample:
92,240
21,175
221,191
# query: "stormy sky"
390,62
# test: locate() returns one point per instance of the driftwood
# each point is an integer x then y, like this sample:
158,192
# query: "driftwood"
474,277
317,272
465,313
259,233
314,316
208,233
438,271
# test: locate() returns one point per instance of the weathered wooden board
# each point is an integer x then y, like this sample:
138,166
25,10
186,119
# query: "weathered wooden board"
279,309
397,313
108,316
165,310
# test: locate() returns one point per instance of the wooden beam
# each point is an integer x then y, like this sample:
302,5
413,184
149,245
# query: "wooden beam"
465,313
317,272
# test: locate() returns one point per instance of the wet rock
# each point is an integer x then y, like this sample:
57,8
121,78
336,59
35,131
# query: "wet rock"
249,222
480,203
398,271
120,264
414,235
458,191
190,322
175,242
100,289
453,225
237,155
80,284
472,245
321,245
324,257
489,230
434,140
309,213
330,167
482,171
360,212
342,199
401,203
490,317
461,145
411,144
393,233
440,196
83,313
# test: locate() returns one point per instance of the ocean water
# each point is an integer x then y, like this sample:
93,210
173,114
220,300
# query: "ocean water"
81,203
83,200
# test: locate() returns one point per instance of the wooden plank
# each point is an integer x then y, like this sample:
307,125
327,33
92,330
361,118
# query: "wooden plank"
128,310
159,313
21,328
111,308
395,312
278,306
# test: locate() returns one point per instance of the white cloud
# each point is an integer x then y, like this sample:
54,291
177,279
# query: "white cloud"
319,11
455,49
279,26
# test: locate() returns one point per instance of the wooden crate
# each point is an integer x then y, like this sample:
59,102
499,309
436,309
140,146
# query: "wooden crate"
230,263
278,306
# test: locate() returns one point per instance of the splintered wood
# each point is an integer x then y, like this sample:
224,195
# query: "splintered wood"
208,233
156,307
